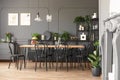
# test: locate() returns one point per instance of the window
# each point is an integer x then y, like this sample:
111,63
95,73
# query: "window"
24,19
13,19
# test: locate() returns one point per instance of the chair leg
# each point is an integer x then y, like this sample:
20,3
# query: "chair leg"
52,64
36,63
40,64
10,62
67,63
78,63
56,64
61,64
74,64
17,62
81,61
14,60
46,64
22,62
49,64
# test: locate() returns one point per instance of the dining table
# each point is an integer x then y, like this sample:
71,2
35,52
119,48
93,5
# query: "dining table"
51,46
24,47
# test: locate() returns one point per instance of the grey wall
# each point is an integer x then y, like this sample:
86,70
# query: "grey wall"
63,12
0,16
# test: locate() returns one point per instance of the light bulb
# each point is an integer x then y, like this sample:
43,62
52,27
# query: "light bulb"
38,17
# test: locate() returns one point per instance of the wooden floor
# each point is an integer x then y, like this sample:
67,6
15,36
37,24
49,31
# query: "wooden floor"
41,74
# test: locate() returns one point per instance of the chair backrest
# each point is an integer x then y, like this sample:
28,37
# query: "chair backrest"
61,50
11,48
90,48
39,49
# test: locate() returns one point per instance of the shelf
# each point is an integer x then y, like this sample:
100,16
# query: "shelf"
95,19
90,34
95,30
83,30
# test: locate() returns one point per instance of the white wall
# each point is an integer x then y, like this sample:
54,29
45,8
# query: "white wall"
63,12
104,10
107,8
114,7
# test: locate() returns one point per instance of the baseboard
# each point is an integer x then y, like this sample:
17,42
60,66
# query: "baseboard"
2,60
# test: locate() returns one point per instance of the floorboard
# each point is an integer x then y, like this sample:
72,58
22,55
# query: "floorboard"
42,74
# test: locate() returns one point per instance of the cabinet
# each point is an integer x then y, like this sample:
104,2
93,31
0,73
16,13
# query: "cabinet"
4,51
88,33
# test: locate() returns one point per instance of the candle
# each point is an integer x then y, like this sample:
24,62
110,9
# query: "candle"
55,38
42,37
82,28
94,15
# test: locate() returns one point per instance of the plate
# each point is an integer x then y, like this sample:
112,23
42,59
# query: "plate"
47,35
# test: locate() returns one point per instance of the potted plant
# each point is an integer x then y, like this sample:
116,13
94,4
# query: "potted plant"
79,19
82,22
95,60
55,36
36,35
35,38
65,36
88,21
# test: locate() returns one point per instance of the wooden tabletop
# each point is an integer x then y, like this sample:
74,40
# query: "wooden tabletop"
53,46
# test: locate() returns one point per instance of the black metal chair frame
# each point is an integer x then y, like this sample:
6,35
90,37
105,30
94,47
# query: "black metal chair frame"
62,54
15,56
42,53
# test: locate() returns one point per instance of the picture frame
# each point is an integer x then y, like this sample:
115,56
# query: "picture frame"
13,19
25,19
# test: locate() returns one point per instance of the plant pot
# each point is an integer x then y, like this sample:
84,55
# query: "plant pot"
96,71
33,42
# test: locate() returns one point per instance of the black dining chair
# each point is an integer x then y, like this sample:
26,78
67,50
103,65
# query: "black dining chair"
79,55
15,55
39,54
89,49
62,55
43,54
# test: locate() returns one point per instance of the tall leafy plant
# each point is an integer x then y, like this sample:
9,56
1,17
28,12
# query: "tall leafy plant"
94,57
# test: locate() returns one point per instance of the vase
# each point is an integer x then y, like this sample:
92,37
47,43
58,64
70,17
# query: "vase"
7,39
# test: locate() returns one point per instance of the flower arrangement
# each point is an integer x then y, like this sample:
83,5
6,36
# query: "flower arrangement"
8,36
